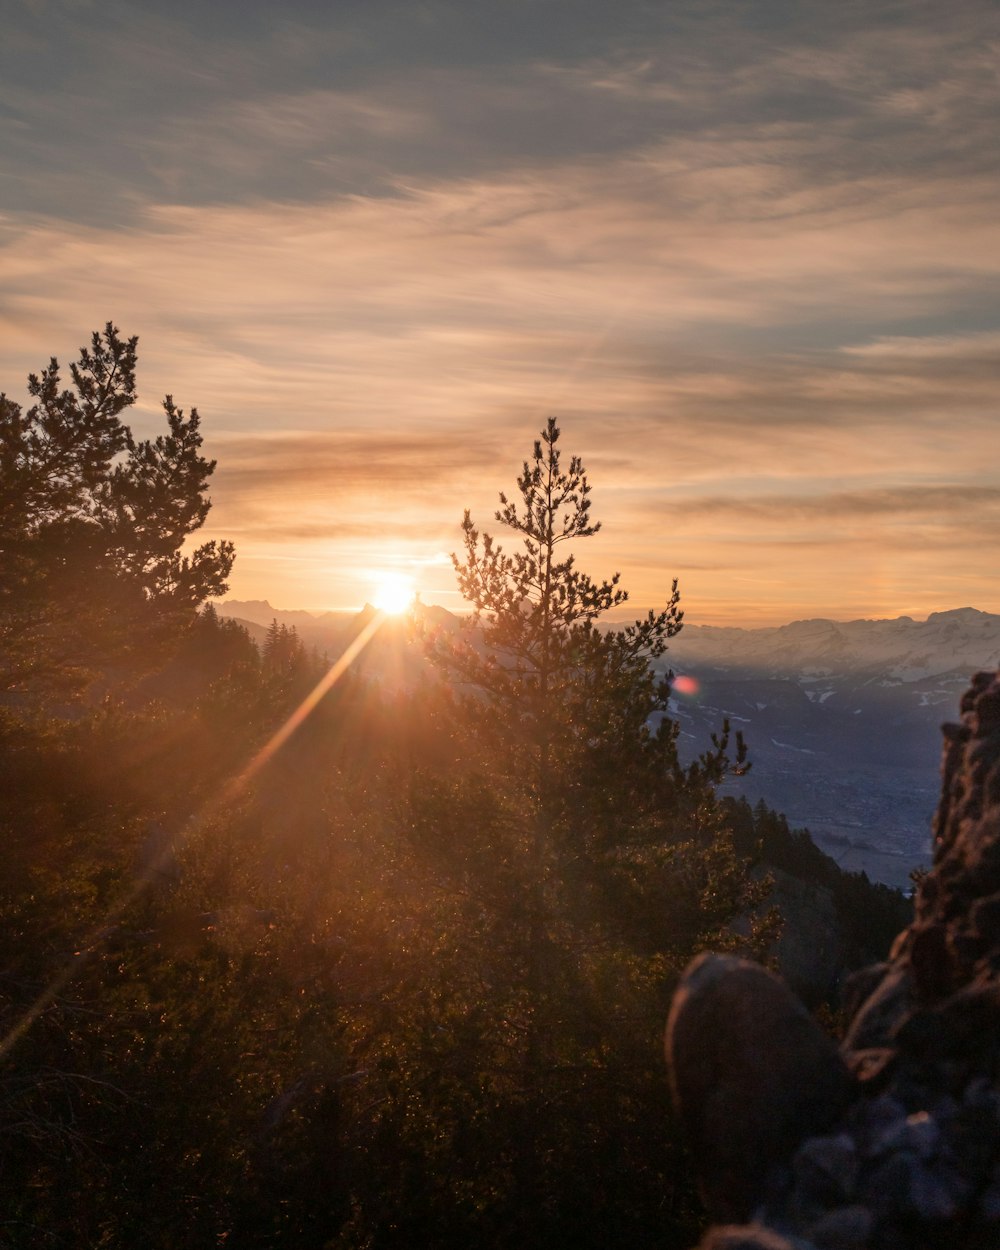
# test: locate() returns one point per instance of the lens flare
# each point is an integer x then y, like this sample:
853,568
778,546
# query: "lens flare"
689,687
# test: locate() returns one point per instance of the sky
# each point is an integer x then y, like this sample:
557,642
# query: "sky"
747,254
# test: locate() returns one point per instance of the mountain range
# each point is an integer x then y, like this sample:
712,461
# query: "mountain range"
325,631
902,649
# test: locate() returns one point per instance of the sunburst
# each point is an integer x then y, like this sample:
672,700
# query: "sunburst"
394,593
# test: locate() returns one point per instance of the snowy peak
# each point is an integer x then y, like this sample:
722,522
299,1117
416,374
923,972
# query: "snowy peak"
960,640
842,719
966,616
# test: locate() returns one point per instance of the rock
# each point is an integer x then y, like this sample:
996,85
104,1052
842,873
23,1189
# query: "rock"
873,1119
871,1067
974,1141
861,985
965,1024
989,1200
888,1189
931,961
937,1196
881,1013
918,1133
751,1075
745,1237
846,1228
985,919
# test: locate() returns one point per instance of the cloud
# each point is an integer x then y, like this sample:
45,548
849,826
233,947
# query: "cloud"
306,487
201,109
449,323
749,255
956,503
419,461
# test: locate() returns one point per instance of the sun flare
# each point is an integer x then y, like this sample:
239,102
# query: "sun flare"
393,593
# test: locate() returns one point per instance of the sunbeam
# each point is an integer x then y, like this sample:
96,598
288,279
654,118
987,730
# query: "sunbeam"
93,942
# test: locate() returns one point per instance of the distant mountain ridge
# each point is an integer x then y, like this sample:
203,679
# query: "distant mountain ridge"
900,649
325,631
261,612
322,630
903,649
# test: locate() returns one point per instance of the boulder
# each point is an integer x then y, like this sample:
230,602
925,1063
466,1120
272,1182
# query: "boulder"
752,1074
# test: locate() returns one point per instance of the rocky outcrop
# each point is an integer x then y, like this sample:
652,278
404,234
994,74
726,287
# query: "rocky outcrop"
738,1039
894,1143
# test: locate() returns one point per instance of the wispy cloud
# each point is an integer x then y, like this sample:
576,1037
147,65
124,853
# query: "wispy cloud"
755,276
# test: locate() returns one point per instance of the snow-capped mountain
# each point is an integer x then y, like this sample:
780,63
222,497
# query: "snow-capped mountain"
842,720
902,649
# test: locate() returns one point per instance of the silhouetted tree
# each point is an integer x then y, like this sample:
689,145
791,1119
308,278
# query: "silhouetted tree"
568,705
93,522
584,865
282,652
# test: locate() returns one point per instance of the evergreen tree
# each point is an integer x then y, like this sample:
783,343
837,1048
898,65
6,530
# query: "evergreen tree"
571,704
546,664
93,522
583,866
270,650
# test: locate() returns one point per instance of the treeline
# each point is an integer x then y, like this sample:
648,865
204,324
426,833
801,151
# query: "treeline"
400,981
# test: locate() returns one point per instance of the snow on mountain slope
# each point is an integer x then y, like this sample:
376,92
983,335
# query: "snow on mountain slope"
902,649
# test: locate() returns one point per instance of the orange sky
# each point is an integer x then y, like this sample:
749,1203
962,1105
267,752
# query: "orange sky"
748,255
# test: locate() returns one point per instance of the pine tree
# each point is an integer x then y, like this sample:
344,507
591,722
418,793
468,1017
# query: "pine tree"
270,649
546,664
571,704
588,862
93,522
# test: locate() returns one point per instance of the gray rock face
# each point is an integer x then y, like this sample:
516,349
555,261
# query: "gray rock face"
906,1153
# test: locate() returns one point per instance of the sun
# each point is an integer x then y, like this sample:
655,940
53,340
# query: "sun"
393,593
